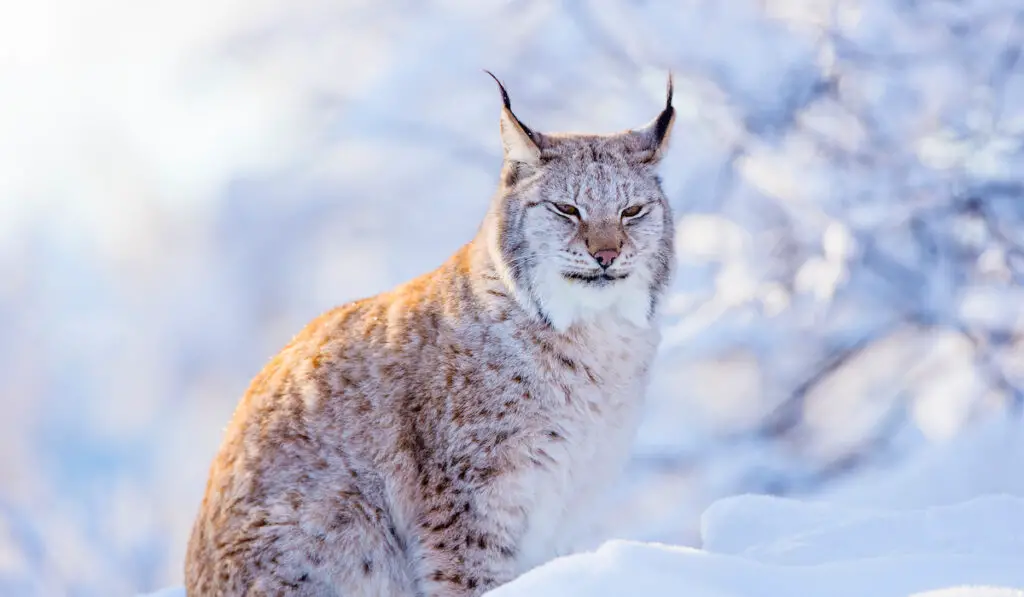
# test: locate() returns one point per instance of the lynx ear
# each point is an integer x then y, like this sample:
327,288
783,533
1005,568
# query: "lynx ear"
648,143
520,143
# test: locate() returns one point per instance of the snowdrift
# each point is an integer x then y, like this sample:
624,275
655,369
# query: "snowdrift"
757,546
947,523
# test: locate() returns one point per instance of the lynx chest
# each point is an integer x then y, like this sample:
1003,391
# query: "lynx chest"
592,395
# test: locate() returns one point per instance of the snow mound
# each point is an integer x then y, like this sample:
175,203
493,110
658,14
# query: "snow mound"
758,546
947,523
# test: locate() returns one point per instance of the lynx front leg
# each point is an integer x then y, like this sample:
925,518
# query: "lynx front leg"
469,544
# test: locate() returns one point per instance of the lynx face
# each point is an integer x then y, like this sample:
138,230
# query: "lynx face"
584,228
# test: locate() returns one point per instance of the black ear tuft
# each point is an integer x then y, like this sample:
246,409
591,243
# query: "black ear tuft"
504,94
648,143
665,118
668,99
508,106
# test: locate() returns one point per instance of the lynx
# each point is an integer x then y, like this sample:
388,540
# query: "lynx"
446,436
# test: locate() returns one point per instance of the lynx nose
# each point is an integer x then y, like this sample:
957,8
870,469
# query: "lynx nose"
605,257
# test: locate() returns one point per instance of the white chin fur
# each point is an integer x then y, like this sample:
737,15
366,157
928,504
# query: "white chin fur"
566,302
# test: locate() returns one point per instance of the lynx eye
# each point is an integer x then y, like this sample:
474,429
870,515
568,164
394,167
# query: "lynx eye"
632,212
567,209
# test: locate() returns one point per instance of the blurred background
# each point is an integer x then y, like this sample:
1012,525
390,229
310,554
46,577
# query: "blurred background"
184,184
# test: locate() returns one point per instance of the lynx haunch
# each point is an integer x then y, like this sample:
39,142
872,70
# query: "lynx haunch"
446,436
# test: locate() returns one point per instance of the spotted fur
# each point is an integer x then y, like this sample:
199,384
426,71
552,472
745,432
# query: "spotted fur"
442,438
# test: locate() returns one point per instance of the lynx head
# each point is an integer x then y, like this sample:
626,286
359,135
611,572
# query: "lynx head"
580,226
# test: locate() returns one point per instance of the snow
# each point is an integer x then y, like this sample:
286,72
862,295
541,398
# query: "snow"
766,546
625,568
